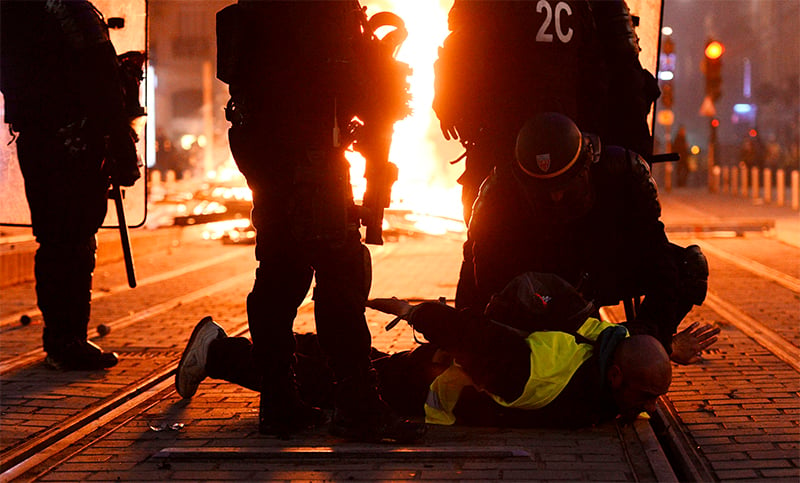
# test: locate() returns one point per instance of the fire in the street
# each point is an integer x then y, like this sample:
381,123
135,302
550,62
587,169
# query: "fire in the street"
427,182
425,198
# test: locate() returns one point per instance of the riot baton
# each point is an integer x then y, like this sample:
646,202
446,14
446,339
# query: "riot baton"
116,194
664,158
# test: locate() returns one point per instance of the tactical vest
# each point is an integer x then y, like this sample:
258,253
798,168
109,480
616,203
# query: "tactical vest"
555,357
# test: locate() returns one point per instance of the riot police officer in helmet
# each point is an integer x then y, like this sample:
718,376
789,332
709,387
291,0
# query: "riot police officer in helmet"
555,158
65,98
293,76
590,214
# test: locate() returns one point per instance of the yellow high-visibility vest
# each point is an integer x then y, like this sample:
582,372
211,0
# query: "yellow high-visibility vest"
555,357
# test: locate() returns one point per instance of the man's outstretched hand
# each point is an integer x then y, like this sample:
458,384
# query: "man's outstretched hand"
393,306
688,344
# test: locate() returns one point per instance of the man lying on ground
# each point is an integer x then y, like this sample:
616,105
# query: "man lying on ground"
535,358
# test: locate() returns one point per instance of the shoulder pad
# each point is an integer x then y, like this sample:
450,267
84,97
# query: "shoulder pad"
620,163
81,22
618,160
485,194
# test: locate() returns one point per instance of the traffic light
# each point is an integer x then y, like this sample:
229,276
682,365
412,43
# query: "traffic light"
666,70
666,95
712,68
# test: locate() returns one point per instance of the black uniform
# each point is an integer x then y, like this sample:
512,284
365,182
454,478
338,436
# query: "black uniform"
505,61
616,250
293,76
64,97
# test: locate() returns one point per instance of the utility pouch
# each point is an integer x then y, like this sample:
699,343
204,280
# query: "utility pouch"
322,198
82,145
230,42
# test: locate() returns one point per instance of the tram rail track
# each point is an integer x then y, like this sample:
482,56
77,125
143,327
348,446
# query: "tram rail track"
41,453
44,445
33,356
22,457
675,436
751,266
13,318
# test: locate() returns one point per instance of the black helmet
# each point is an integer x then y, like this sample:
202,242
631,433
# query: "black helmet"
551,149
553,159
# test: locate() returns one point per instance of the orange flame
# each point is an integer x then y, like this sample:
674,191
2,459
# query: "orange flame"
427,182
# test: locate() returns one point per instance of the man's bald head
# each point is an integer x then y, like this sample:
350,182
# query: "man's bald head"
639,374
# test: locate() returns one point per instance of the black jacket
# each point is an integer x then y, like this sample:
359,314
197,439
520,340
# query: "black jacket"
618,249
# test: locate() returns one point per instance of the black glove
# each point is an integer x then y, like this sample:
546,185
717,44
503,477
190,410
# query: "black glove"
122,162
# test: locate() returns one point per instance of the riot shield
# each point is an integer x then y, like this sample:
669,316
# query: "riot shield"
649,13
131,36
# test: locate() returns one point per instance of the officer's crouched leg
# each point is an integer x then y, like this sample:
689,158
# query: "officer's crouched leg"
693,271
693,278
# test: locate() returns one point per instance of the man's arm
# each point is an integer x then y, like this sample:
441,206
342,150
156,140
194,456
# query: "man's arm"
688,344
496,357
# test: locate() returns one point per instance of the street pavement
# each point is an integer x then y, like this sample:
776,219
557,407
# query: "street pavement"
213,436
697,211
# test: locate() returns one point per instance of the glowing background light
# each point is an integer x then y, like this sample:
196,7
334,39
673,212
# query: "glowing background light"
714,50
427,182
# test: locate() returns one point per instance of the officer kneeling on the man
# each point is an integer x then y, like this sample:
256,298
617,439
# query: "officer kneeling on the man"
591,216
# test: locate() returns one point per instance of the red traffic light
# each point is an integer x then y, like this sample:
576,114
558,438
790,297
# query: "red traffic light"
714,50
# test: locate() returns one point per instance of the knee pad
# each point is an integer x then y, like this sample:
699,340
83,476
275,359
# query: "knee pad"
367,260
693,273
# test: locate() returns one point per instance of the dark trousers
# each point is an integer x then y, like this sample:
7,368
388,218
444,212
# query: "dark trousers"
403,377
301,202
67,196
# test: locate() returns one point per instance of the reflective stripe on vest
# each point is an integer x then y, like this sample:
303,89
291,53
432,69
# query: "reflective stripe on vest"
555,357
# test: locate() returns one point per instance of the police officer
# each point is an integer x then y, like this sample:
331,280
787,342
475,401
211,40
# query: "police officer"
505,61
589,214
65,100
508,60
294,77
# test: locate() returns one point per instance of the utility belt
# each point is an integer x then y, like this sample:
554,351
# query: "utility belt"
236,113
310,129
307,176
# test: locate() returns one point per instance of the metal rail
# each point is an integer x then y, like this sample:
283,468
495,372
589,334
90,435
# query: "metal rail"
21,458
688,463
752,266
31,357
13,319
48,444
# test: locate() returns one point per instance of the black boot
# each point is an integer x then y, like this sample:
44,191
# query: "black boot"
361,414
281,411
81,355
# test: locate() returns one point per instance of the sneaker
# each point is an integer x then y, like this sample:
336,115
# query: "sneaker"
192,368
81,355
